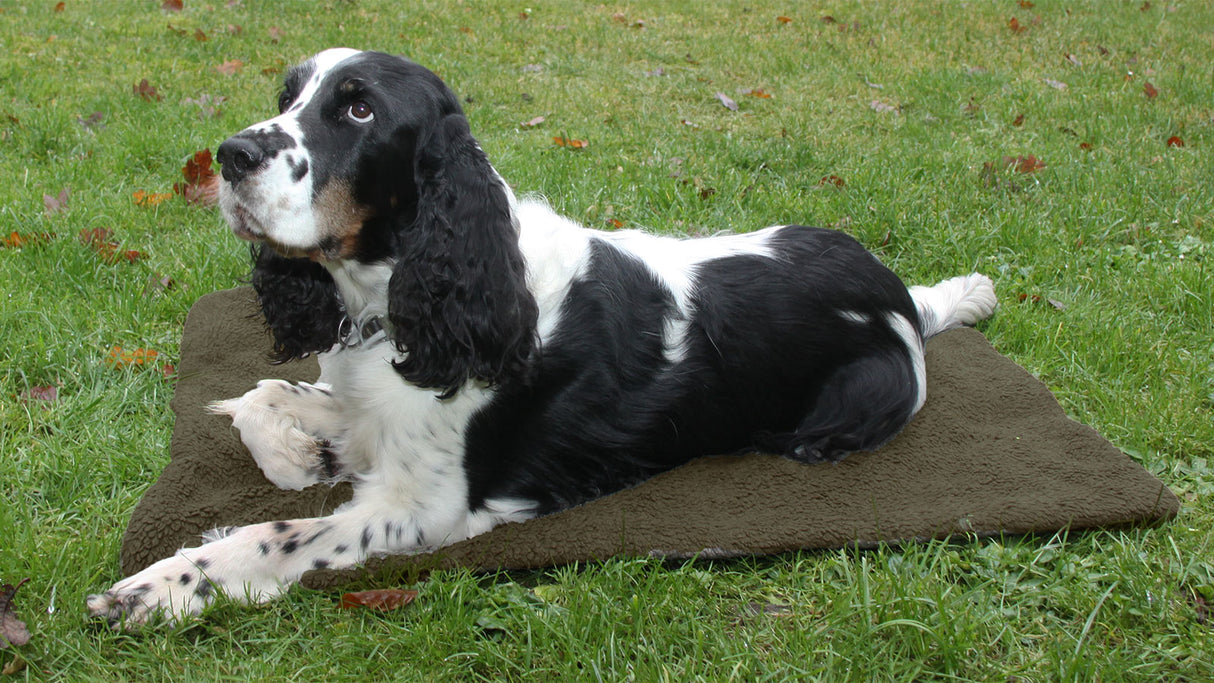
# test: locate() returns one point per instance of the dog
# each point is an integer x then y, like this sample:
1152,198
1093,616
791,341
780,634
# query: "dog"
485,360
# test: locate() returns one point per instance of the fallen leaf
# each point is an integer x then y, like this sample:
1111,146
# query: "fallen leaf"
784,20
168,371
1175,141
1015,26
1026,4
179,32
660,71
758,92
1056,304
146,91
1057,85
831,180
1149,90
230,67
99,240
16,666
200,36
615,223
827,19
158,283
208,105
1145,6
879,106
92,120
172,5
56,204
1201,606
276,34
48,393
201,185
94,236
381,600
149,199
727,101
119,357
12,629
1019,120
563,141
706,192
1073,60
16,240
60,6
1024,164
532,123
1085,146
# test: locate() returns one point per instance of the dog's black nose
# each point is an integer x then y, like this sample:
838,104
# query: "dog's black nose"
239,157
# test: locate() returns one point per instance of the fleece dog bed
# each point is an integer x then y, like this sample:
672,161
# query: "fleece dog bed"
990,453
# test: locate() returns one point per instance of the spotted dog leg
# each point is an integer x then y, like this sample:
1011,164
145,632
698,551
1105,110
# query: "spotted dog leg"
290,430
256,563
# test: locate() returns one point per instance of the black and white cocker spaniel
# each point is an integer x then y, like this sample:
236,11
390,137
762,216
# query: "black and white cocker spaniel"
485,360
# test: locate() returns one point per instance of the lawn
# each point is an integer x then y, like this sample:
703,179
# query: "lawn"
1063,148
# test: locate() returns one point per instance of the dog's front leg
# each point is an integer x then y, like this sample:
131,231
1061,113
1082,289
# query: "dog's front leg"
293,431
256,563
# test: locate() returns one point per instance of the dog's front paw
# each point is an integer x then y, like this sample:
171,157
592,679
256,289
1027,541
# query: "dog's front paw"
270,427
171,589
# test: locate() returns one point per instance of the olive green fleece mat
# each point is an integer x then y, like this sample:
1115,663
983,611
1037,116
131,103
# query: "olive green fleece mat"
990,453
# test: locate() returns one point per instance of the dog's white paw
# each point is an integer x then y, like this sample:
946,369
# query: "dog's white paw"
173,588
272,430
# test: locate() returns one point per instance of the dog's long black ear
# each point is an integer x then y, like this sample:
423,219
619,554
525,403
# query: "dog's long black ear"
457,299
299,301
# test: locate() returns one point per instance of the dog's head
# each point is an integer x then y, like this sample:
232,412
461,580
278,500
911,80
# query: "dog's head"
370,160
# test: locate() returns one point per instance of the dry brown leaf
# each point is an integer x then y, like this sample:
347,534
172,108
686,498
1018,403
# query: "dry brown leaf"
119,357
727,102
230,67
47,393
1175,141
1024,164
149,199
381,600
201,185
16,240
56,203
12,629
532,123
1149,90
145,91
570,143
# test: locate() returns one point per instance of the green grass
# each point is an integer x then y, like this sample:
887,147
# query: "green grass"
1118,229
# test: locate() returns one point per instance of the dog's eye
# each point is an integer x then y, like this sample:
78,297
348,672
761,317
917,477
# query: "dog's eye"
360,112
284,101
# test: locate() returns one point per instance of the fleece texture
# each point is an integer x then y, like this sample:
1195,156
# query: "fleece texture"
991,453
